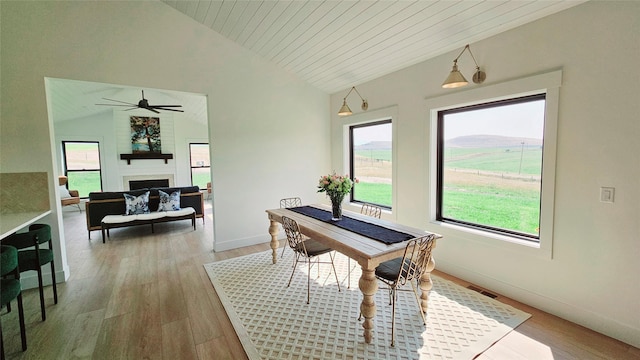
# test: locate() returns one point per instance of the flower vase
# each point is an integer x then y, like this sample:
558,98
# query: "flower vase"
336,209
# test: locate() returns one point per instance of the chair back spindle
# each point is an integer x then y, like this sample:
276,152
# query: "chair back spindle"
290,202
295,239
371,210
416,256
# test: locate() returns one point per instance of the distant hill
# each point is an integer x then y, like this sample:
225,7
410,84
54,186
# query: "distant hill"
469,141
375,145
488,141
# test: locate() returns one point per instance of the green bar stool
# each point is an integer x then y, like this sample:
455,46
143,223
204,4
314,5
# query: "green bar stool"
35,257
10,289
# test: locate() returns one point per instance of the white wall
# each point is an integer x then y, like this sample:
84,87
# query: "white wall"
149,44
592,277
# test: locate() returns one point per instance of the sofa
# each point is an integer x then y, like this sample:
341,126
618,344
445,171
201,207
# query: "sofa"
106,210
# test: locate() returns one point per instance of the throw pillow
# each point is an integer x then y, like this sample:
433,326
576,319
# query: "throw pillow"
169,202
64,193
136,204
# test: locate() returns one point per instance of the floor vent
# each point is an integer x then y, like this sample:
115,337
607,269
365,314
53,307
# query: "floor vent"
483,292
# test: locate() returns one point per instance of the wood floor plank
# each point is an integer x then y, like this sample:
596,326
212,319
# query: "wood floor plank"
82,337
177,340
146,337
203,317
172,301
218,349
113,340
122,301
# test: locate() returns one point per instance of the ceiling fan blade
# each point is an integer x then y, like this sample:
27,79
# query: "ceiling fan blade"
159,106
117,104
152,109
155,107
124,102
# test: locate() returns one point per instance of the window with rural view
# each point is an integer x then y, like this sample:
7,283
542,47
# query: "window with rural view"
370,150
82,166
490,166
200,164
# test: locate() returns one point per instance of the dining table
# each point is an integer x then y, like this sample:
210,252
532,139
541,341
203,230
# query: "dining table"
355,236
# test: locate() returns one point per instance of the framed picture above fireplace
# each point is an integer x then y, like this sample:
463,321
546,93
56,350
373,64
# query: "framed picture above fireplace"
145,135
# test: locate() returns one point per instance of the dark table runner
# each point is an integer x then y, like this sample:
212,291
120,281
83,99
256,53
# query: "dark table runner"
373,231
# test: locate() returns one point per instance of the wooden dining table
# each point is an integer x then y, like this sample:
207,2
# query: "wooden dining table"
368,252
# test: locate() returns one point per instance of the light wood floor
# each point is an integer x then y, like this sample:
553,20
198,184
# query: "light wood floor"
147,296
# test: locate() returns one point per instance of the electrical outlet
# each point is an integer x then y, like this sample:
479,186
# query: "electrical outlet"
607,194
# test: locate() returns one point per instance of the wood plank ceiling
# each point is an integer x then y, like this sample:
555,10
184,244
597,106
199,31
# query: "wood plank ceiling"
332,45
336,44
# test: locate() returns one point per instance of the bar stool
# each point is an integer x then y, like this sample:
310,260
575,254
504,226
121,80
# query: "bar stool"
34,259
10,289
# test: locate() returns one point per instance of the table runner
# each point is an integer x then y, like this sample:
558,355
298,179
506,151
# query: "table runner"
373,231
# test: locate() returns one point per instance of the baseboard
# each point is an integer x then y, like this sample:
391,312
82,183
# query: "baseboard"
238,243
586,318
30,280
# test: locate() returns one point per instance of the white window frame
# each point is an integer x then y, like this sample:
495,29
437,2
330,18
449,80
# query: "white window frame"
548,83
372,117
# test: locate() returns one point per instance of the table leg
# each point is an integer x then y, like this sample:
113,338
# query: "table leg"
426,285
369,286
273,230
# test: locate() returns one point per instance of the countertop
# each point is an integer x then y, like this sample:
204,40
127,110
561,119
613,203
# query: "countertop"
10,223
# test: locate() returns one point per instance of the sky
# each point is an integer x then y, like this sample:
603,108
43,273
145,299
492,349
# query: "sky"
363,135
516,120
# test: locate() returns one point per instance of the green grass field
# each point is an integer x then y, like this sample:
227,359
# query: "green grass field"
374,193
84,182
517,210
504,160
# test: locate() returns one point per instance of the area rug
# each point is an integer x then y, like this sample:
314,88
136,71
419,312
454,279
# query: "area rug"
273,321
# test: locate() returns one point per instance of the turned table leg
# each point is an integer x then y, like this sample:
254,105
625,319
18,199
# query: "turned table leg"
273,230
368,285
426,285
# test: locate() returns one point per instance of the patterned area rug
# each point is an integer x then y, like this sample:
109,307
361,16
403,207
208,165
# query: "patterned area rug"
274,322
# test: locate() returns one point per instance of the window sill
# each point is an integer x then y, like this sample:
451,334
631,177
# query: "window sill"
486,238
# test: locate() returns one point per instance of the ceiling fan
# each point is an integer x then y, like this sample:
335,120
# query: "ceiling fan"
144,104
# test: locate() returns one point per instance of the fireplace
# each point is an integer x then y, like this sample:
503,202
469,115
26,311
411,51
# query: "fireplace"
133,182
142,184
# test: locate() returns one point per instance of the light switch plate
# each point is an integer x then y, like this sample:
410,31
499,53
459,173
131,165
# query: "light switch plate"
607,194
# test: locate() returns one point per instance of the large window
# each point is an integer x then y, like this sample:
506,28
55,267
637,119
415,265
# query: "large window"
370,152
200,164
82,166
490,166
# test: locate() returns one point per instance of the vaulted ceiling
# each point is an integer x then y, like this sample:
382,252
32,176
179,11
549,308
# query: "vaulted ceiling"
332,45
336,44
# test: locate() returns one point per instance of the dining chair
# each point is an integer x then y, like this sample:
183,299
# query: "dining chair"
308,249
289,203
406,269
369,210
10,289
34,257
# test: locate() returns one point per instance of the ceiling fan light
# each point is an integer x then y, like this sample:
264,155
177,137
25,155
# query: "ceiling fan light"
455,78
344,110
